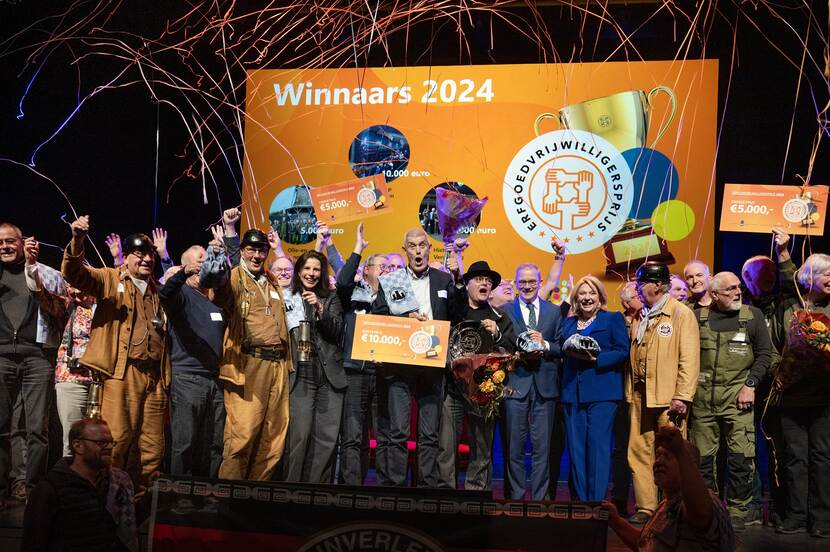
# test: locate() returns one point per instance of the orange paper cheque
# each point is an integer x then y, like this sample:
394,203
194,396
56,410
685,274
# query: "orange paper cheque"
400,340
759,208
353,199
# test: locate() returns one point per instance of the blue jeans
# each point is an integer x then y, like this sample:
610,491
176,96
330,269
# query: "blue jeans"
30,377
197,425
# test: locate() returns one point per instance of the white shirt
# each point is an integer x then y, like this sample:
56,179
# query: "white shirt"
536,311
420,285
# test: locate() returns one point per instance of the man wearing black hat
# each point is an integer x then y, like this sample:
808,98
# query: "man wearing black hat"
256,356
128,345
480,282
665,363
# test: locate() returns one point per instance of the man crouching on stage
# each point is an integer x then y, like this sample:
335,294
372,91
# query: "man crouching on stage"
256,358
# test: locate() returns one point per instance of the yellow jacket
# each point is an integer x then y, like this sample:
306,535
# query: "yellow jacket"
112,324
672,358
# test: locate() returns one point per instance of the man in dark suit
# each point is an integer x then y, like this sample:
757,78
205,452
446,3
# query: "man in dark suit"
398,385
533,386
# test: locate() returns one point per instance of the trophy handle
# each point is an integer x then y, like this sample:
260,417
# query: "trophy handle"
542,117
670,93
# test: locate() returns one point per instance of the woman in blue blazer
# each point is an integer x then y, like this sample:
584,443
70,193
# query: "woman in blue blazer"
592,385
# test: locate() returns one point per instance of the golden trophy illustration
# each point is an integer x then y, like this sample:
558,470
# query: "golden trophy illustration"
621,118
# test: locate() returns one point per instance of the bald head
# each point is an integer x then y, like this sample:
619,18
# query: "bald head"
697,276
416,246
193,254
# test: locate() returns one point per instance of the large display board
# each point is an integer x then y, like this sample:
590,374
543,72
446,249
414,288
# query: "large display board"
617,159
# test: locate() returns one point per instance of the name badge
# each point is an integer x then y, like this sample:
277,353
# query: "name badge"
739,337
274,295
216,316
442,293
120,287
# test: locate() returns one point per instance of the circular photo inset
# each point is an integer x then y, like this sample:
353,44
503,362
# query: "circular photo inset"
428,212
379,149
292,216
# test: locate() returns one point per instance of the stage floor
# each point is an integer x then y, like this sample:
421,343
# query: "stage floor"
754,539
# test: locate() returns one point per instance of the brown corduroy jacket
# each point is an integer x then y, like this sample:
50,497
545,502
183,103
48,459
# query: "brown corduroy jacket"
227,297
112,324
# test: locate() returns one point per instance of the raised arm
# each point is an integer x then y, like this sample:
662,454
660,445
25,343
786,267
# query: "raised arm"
113,242
555,273
73,267
160,243
231,238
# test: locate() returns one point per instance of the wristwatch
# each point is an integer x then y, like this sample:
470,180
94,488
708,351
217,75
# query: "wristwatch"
751,381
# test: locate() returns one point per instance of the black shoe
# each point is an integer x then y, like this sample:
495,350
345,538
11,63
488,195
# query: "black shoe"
774,520
640,518
820,533
754,517
738,525
790,527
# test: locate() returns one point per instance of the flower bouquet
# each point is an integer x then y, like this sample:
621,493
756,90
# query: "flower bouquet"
483,379
807,351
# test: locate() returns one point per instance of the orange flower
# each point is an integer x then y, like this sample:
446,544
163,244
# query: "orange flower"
818,326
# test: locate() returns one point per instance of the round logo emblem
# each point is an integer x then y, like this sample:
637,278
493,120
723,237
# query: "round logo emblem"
572,184
795,210
366,197
359,537
420,342
664,330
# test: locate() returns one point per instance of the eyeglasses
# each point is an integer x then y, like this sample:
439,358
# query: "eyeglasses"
253,250
283,270
528,283
102,443
141,254
382,267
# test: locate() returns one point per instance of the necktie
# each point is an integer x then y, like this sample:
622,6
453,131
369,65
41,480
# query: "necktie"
531,316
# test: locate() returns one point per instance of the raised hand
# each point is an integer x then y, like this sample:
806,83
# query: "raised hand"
275,242
323,236
782,241
229,219
217,243
31,249
113,242
80,228
160,242
558,247
360,242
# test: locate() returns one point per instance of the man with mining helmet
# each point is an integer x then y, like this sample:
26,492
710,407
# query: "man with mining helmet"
256,358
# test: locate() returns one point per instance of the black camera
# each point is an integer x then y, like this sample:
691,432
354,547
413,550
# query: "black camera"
74,365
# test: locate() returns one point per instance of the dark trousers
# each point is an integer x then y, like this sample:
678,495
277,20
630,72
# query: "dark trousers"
557,449
398,386
30,377
197,425
620,471
315,415
806,432
533,416
359,414
769,429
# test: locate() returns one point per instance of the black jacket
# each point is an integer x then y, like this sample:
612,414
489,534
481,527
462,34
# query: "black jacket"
328,336
65,512
345,288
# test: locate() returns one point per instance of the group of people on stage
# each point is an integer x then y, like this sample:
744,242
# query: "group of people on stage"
251,356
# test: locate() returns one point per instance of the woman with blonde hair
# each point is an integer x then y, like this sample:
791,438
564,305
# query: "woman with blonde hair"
595,347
